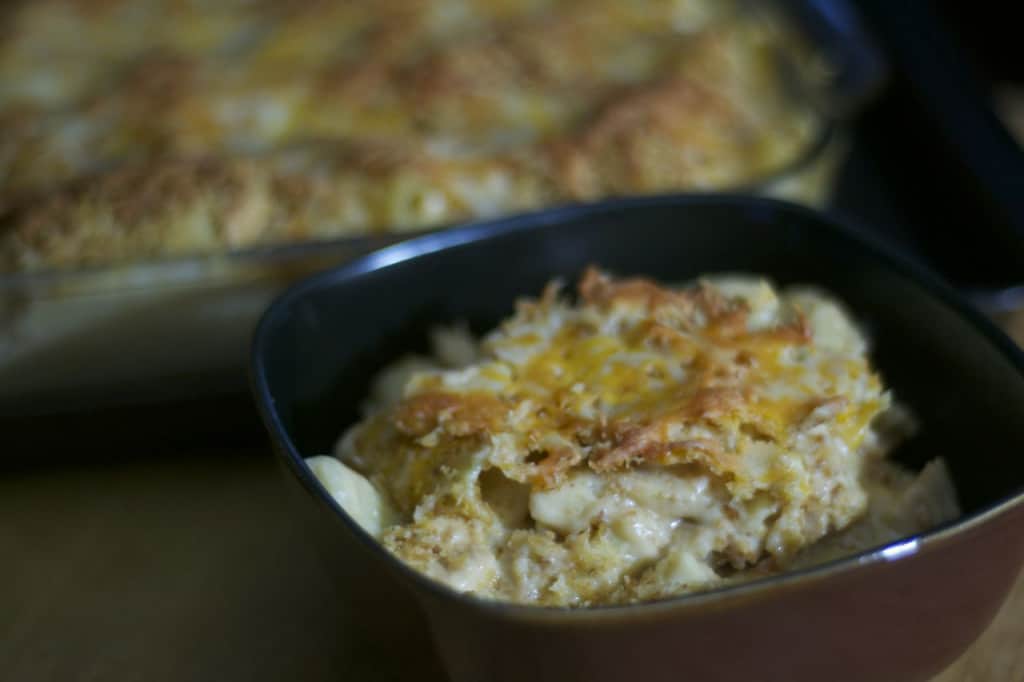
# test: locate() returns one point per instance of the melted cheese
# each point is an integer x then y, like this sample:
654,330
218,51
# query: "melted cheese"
641,443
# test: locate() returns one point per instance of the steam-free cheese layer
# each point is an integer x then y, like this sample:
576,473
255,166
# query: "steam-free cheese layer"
639,443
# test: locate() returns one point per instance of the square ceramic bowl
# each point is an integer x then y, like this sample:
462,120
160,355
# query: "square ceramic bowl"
901,612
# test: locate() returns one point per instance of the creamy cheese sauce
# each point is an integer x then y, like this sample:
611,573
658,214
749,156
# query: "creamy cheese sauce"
640,443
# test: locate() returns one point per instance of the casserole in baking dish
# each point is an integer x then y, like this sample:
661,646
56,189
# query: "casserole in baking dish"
167,165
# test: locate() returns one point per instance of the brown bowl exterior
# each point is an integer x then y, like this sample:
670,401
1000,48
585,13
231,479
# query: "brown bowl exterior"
902,621
899,613
381,621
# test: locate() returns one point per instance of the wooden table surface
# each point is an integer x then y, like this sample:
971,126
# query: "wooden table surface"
185,564
192,569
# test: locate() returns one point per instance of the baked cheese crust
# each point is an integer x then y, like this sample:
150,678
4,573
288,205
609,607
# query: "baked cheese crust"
392,115
639,443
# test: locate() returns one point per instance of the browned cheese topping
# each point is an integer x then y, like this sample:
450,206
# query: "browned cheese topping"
137,129
641,442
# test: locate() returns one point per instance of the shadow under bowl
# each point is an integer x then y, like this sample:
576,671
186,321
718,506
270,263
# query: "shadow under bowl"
902,612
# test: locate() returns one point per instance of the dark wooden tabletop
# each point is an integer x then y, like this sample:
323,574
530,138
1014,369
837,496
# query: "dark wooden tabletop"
188,568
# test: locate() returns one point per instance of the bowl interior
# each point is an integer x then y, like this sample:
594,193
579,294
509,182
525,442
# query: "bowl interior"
319,346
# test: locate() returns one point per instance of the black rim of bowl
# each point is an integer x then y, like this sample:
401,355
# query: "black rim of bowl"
842,226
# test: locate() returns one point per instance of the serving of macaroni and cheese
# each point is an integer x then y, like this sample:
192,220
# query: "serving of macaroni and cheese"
141,129
636,443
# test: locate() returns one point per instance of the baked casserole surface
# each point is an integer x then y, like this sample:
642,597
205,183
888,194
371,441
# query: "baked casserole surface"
640,443
144,129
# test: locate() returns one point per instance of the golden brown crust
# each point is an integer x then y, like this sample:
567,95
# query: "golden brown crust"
316,190
457,415
723,315
698,418
428,112
641,142
635,443
178,204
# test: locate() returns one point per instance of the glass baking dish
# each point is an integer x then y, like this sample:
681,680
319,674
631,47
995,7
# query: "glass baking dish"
173,328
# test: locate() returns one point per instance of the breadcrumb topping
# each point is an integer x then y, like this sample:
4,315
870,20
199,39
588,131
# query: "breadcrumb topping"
138,129
636,441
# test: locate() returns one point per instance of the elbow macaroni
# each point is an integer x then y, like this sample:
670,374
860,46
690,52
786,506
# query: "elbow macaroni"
353,493
642,443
